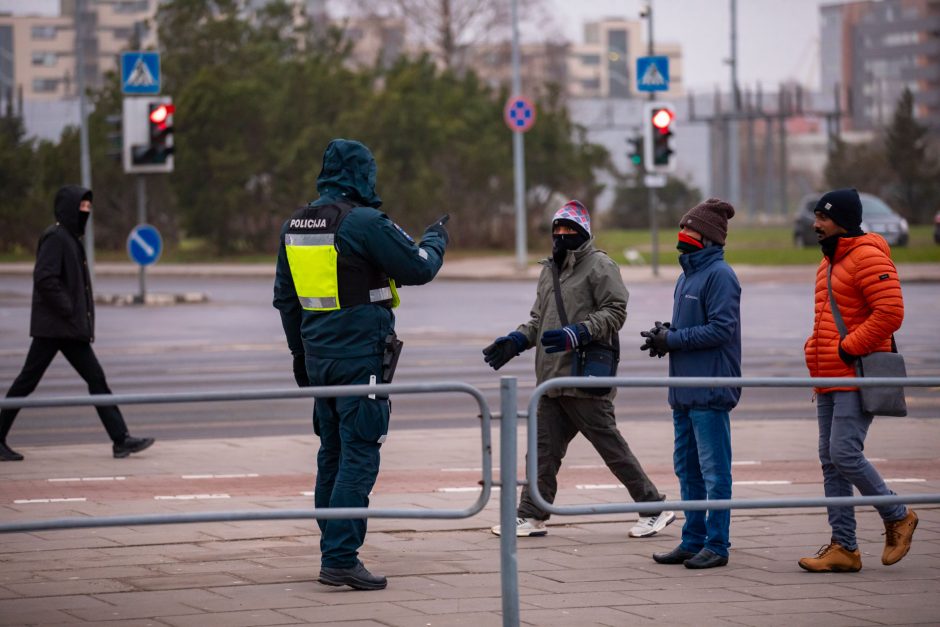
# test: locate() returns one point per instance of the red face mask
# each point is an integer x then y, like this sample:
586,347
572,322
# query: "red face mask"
688,244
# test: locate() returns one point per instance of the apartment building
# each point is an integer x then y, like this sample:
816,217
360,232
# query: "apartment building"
604,65
38,60
872,50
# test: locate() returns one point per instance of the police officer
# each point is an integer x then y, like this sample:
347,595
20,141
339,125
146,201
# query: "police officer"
338,267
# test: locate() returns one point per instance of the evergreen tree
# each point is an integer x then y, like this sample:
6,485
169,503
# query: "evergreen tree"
915,188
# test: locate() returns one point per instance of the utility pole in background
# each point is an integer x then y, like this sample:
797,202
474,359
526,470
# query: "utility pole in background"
650,191
81,34
734,169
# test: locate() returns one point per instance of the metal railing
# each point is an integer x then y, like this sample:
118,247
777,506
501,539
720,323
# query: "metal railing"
232,516
508,459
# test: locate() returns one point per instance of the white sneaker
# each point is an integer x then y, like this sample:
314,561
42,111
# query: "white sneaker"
651,525
527,527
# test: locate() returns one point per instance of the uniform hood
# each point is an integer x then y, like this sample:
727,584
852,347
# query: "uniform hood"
348,171
67,202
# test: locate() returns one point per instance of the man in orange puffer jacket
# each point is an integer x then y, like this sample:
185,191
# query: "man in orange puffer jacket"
868,294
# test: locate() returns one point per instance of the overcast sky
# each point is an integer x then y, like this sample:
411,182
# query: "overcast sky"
778,40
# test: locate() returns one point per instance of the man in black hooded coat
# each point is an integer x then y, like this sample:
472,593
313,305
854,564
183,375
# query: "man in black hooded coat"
63,319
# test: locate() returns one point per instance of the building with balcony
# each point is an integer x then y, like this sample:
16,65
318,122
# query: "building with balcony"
871,51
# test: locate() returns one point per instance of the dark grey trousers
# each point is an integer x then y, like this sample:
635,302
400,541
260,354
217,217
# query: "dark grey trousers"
559,420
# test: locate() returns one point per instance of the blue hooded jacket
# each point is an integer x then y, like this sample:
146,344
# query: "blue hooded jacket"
706,336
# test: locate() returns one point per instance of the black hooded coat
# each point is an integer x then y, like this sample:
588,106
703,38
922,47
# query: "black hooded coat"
63,304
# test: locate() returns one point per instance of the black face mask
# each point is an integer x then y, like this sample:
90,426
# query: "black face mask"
82,221
561,244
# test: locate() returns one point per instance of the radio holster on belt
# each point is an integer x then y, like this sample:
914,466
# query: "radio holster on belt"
390,356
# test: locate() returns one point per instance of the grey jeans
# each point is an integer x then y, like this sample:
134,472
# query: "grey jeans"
559,420
843,427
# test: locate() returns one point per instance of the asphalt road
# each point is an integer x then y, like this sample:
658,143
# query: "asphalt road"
235,342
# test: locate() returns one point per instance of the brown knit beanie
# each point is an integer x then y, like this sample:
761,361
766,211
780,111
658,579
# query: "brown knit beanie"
710,218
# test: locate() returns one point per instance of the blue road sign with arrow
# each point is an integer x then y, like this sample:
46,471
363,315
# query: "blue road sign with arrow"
652,73
144,244
140,73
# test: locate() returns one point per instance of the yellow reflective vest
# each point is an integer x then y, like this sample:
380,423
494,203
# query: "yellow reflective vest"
324,278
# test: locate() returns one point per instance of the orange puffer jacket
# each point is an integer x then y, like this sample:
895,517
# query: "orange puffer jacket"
867,289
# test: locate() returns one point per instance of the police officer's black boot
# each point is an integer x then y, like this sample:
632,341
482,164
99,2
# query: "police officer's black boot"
356,577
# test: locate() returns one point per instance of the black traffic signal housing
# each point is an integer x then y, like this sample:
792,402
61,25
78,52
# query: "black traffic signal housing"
160,136
636,151
658,123
115,135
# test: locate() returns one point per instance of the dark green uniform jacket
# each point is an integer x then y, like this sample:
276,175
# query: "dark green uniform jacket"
349,174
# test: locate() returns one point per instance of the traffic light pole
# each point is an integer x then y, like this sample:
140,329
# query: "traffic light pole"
142,219
651,191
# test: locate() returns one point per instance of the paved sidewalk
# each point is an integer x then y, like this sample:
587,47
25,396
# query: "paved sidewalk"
585,572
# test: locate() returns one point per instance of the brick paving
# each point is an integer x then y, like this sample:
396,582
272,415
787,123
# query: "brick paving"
585,572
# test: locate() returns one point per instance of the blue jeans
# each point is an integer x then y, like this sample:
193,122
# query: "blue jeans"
842,430
702,459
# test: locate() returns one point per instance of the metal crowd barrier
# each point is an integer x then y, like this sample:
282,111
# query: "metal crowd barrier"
508,448
233,516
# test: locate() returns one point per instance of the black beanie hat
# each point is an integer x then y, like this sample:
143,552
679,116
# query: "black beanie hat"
844,207
710,218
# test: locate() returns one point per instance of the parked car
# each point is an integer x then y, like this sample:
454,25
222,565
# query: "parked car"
936,228
877,217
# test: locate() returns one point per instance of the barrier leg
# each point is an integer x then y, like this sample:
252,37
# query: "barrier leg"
509,571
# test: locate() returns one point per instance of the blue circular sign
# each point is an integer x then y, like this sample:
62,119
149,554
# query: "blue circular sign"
519,114
144,244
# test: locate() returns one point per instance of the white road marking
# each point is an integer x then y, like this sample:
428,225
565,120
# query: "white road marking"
73,479
745,462
905,480
466,489
599,486
191,497
67,500
775,482
306,494
229,476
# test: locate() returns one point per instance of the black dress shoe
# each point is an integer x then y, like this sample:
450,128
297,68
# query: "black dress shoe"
676,556
356,577
9,455
706,558
131,445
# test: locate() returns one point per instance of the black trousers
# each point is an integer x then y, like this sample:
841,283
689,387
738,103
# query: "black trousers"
82,357
560,419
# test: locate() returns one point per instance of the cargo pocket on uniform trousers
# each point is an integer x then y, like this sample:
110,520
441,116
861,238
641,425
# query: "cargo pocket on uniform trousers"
372,420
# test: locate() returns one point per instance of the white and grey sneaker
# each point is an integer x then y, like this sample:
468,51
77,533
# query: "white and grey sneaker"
651,525
526,527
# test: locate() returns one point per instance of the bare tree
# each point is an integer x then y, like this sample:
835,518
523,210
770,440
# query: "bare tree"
445,27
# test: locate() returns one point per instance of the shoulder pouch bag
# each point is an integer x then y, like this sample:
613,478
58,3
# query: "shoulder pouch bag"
594,359
878,401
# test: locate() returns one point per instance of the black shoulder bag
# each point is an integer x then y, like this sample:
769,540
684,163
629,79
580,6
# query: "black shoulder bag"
878,401
595,359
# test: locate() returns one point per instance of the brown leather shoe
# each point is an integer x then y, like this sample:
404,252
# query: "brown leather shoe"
833,558
898,535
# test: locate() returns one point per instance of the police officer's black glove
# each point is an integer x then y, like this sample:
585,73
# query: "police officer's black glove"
300,371
846,357
438,227
504,348
656,342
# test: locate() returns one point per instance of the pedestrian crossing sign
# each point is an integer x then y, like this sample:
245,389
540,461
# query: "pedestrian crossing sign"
140,73
652,73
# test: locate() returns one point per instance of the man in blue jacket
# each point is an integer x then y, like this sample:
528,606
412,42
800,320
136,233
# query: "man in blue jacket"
339,265
703,340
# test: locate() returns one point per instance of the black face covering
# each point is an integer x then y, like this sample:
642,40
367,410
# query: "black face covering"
82,221
561,244
829,244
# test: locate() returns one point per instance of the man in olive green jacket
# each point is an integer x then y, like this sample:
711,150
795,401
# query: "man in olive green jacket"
595,308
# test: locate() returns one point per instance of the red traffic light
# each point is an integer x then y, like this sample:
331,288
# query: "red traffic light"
662,119
160,114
